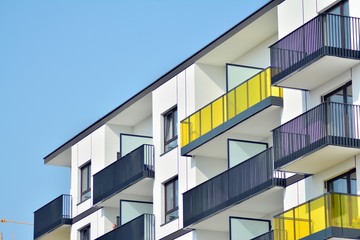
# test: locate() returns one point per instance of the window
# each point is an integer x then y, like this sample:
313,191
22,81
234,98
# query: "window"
171,200
170,130
85,187
85,233
345,183
341,95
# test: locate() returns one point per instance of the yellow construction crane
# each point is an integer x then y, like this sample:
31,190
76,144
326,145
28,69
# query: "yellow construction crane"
11,221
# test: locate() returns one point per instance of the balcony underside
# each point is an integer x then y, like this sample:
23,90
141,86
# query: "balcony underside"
321,158
311,72
335,233
261,206
142,189
60,233
248,125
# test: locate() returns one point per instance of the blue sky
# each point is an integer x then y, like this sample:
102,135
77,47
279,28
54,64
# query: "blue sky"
66,63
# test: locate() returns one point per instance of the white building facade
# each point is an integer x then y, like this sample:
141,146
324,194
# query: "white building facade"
256,136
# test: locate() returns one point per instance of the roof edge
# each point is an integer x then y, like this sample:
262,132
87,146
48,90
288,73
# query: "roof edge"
164,78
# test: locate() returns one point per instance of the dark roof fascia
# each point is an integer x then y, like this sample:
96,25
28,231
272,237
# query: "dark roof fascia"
166,77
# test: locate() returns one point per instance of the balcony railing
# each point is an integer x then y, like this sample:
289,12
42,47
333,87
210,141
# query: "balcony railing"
124,172
231,187
53,215
265,236
331,215
140,228
227,106
326,34
327,124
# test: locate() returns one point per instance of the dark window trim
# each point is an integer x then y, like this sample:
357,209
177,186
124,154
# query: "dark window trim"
134,201
348,185
239,140
172,181
131,135
341,88
81,232
250,219
82,191
174,129
236,65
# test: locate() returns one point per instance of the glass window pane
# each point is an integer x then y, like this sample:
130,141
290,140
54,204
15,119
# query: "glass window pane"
176,193
169,196
353,187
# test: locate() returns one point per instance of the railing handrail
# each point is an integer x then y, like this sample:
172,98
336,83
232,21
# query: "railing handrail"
116,161
307,23
216,99
227,170
316,198
312,109
129,222
63,196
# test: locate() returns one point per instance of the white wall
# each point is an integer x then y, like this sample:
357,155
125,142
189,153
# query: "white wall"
293,104
144,127
205,168
166,165
315,184
210,83
323,5
96,226
258,56
91,148
354,7
211,235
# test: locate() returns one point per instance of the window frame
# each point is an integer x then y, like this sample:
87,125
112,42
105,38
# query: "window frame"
83,231
348,181
84,193
174,137
175,190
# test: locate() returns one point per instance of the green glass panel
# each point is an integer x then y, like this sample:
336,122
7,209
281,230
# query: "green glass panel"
205,119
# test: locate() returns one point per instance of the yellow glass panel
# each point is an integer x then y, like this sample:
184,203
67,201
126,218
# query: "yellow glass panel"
205,119
279,231
317,213
241,98
217,112
231,111
355,210
289,230
264,86
334,210
194,126
184,132
302,221
254,90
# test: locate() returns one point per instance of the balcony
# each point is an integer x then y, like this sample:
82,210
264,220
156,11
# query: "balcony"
330,216
53,220
131,174
319,138
316,52
140,228
266,236
240,110
209,205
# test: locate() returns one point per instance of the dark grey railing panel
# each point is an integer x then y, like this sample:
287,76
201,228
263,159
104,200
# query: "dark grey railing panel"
327,124
326,34
228,188
52,215
124,172
140,228
265,236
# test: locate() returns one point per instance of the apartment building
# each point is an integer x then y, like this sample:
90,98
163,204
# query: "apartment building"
256,136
